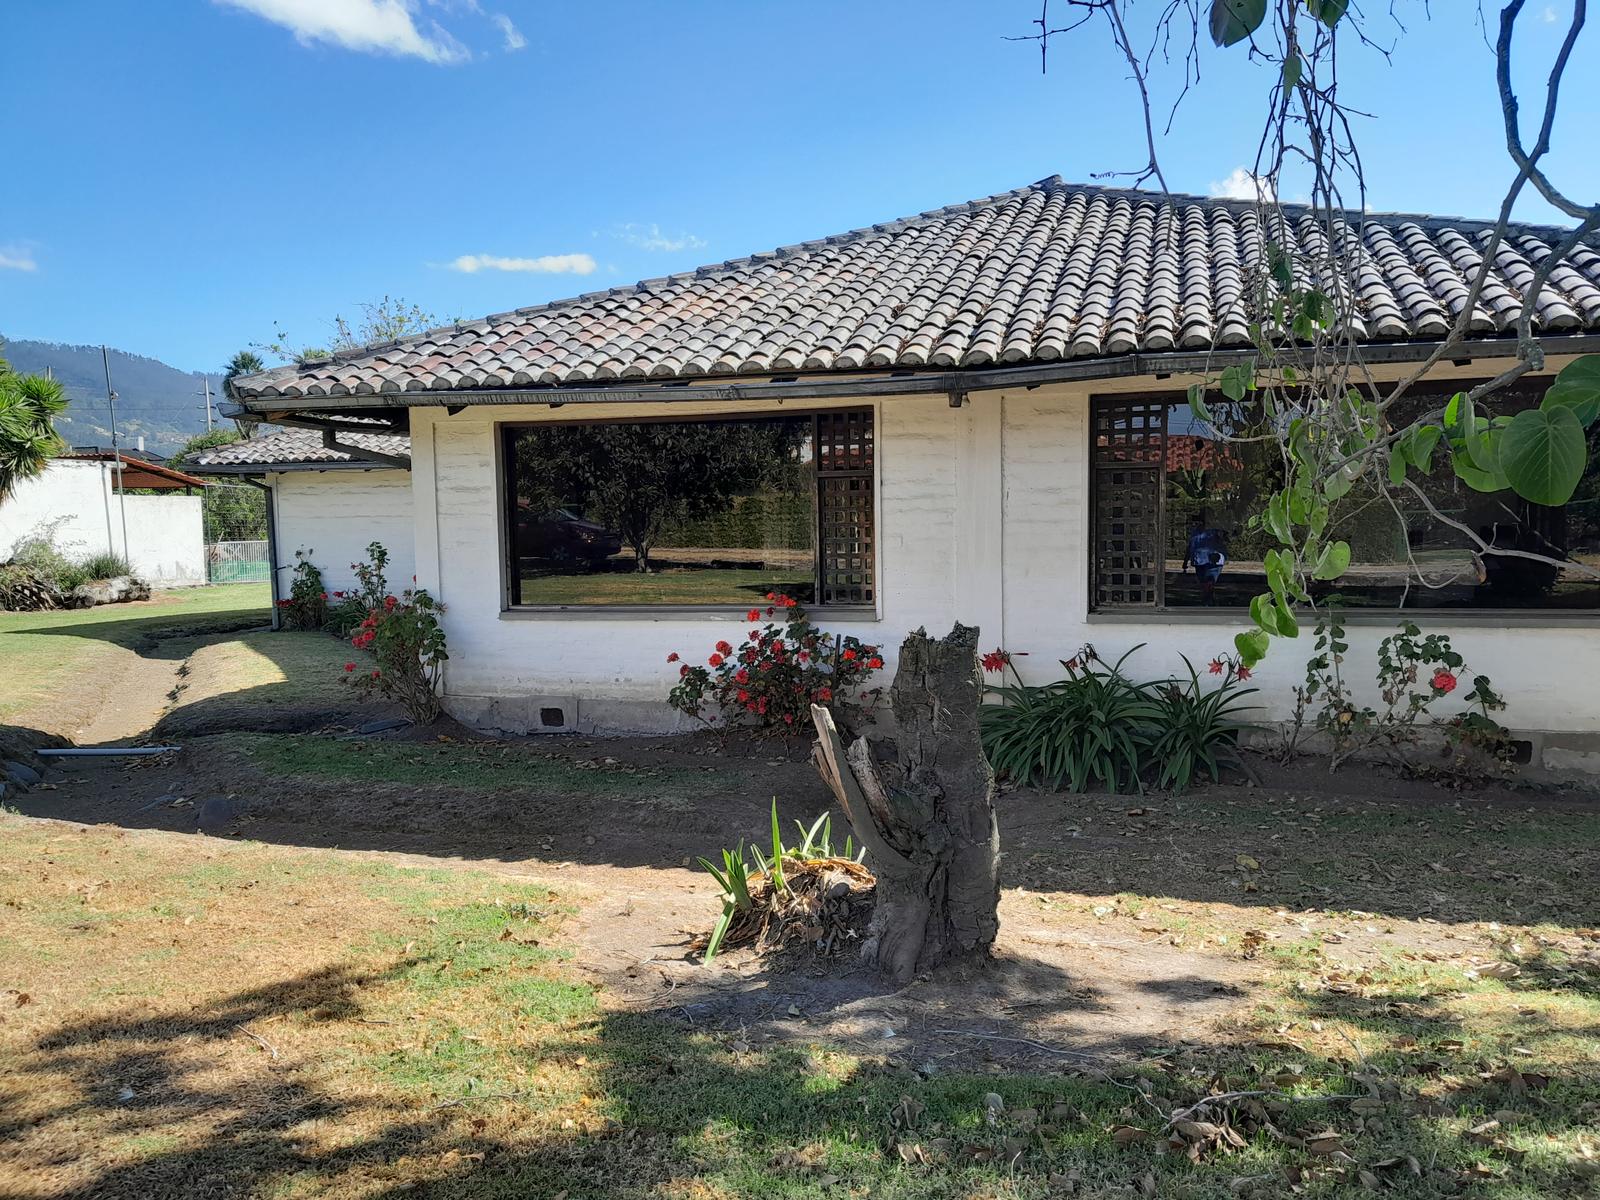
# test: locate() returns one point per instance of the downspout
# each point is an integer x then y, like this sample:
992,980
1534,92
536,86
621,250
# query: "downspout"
272,543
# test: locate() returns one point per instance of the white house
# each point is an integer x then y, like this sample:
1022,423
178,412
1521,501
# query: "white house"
327,503
974,414
81,502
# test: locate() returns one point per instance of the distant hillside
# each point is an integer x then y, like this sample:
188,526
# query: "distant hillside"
153,399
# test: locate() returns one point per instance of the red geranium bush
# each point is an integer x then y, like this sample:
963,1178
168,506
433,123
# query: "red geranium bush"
779,669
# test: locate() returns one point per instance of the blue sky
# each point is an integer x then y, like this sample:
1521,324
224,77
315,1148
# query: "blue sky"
185,175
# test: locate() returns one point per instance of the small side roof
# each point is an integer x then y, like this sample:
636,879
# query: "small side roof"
138,472
297,450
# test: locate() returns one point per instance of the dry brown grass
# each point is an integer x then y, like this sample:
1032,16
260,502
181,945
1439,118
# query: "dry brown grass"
182,1016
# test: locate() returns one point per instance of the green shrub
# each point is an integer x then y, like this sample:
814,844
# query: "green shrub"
1091,727
1097,727
1196,728
104,566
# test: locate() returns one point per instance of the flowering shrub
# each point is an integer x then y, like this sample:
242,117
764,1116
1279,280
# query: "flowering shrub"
1100,728
404,635
347,610
1405,660
777,671
306,606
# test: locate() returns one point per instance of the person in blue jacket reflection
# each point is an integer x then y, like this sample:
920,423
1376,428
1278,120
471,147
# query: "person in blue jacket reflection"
1207,552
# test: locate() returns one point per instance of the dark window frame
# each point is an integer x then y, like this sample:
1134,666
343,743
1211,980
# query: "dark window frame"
1112,524
506,432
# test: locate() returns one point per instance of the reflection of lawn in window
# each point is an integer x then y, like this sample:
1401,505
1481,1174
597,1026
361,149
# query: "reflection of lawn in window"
670,583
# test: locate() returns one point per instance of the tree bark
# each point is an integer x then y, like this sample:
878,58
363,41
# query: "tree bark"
927,821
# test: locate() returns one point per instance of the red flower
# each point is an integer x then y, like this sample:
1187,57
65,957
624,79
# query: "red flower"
743,695
375,674
996,661
349,666
874,663
769,612
673,657
742,675
1443,681
753,615
324,595
683,670
788,718
824,695
715,660
1216,666
338,595
1244,671
849,656
388,603
772,595
724,648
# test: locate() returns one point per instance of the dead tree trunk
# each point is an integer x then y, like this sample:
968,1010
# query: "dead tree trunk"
927,821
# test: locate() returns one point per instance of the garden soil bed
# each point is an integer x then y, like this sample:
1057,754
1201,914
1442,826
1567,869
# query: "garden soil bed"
1136,928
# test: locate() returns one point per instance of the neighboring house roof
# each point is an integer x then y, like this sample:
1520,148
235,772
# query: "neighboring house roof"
1046,272
296,449
138,472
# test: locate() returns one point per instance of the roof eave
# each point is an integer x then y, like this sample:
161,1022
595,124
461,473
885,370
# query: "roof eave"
818,386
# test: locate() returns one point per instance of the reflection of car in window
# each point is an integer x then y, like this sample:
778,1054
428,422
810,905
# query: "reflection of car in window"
561,536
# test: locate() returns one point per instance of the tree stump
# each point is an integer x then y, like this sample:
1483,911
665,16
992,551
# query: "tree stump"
927,821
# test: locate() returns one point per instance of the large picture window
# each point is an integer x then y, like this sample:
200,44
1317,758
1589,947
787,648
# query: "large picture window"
691,513
1172,498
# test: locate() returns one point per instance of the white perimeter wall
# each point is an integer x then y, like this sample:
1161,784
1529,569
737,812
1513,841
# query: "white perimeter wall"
165,539
333,515
983,518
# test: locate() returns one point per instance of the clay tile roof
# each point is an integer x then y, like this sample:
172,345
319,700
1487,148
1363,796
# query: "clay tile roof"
288,448
1048,271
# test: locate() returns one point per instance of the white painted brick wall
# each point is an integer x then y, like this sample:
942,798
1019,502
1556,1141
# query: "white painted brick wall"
335,514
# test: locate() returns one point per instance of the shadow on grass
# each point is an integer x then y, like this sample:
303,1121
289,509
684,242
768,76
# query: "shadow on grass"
618,1106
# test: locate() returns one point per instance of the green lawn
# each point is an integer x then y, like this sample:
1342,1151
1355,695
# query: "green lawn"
57,662
672,585
192,1017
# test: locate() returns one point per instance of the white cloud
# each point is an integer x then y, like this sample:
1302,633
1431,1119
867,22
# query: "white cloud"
650,237
548,264
1241,184
373,26
17,258
512,35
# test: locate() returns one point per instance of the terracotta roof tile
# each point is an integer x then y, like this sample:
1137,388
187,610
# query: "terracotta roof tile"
1049,271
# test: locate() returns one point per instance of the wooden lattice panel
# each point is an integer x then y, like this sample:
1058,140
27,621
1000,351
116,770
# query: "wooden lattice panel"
846,540
1129,439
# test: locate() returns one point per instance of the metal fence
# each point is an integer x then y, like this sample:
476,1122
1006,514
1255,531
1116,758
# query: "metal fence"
237,562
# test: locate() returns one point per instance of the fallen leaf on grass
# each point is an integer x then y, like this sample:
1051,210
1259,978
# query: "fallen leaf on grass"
1248,863
1126,1135
1494,970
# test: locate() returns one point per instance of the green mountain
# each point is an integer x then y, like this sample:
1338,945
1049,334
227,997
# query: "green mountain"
155,400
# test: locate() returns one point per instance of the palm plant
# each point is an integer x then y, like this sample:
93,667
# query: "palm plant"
29,405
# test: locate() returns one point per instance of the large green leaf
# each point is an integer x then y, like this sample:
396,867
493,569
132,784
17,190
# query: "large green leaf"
1333,562
1327,11
1542,454
1252,646
1577,387
1234,20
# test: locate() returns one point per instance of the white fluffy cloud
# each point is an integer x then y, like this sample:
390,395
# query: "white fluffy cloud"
1241,184
17,258
373,26
650,237
547,264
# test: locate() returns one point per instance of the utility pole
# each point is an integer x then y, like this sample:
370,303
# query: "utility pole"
207,395
116,455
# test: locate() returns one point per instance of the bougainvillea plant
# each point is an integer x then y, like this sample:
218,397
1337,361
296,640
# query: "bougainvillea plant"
404,635
781,667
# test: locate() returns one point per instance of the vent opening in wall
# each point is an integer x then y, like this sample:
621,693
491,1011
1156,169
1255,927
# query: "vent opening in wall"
552,718
1521,751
